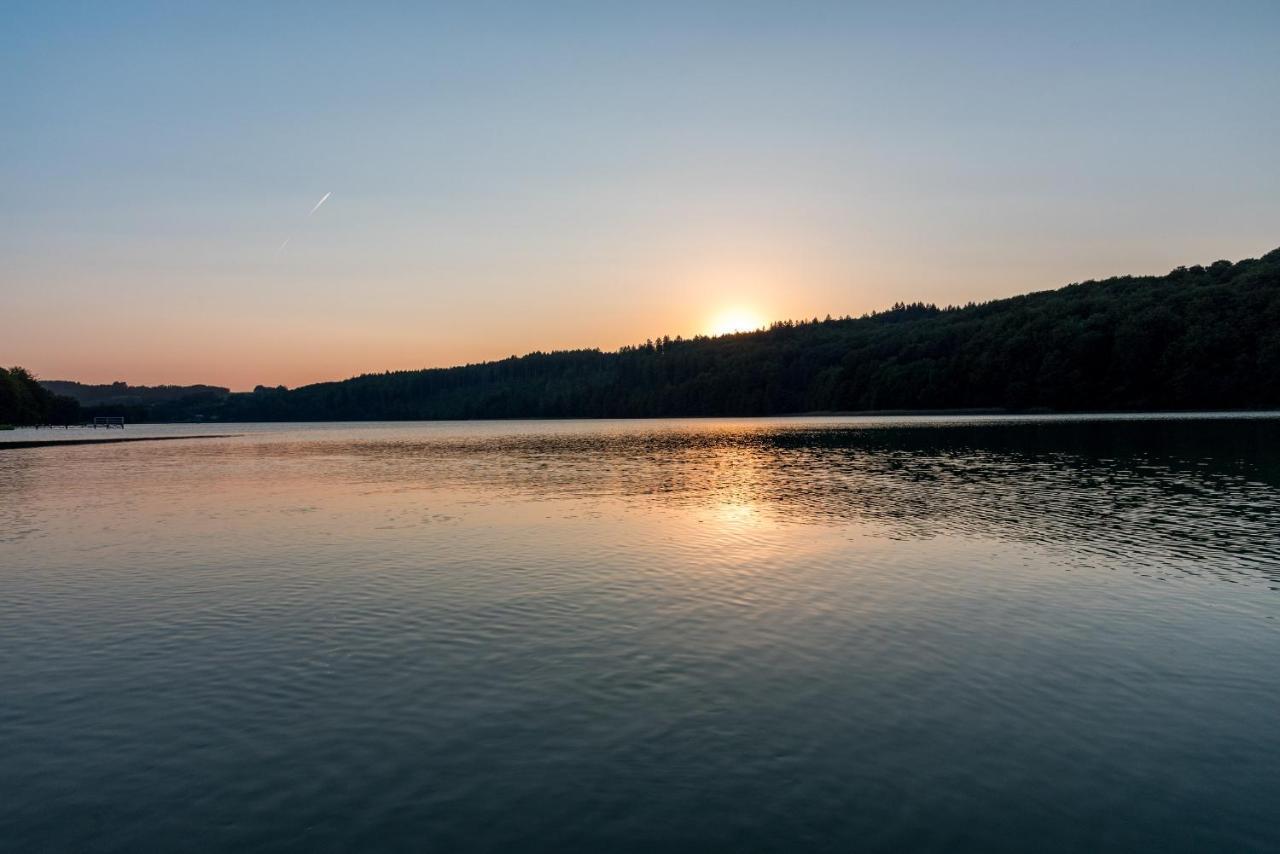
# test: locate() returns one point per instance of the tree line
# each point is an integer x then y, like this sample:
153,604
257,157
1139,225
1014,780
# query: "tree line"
24,402
1202,337
123,394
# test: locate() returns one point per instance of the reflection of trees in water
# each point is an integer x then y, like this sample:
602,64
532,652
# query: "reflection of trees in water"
17,482
1145,492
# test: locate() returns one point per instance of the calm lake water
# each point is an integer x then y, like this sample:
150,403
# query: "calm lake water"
843,635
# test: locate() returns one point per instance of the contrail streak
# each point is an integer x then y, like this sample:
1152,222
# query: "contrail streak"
319,203
323,199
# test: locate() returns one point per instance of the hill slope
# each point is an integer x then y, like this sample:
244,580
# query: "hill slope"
123,394
1198,338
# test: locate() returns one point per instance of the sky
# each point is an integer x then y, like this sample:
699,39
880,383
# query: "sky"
504,178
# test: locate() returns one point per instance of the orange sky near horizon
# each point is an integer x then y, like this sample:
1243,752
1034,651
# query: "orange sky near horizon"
225,343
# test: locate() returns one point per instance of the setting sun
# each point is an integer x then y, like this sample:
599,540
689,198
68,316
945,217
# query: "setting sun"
735,320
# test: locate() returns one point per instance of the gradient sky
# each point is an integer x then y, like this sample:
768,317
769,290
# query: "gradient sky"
510,177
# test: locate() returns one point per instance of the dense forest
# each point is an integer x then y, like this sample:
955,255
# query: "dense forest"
23,401
1197,338
140,403
123,394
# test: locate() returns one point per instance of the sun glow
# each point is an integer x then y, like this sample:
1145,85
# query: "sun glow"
735,320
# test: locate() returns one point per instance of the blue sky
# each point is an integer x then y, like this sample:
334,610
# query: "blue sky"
509,177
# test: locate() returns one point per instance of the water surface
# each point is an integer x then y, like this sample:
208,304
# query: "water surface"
944,634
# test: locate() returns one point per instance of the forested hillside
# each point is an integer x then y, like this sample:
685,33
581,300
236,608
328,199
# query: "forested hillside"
123,394
1198,338
24,402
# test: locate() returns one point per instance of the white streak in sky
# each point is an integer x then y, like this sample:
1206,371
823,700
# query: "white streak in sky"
323,199
319,203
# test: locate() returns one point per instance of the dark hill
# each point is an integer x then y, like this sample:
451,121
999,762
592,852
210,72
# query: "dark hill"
123,394
25,402
1197,338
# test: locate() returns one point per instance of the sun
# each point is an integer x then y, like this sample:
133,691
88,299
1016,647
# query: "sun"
734,320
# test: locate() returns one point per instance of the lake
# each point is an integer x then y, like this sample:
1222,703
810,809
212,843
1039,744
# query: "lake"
916,634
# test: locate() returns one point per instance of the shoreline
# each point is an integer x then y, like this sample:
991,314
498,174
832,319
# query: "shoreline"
48,443
925,415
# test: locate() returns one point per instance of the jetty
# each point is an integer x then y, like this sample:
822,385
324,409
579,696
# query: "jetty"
50,443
